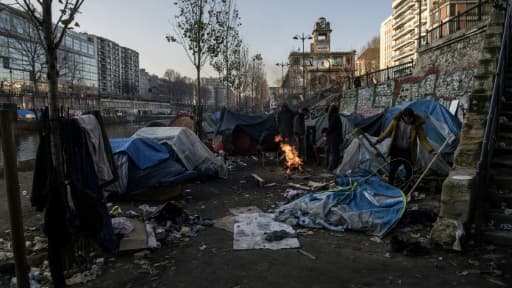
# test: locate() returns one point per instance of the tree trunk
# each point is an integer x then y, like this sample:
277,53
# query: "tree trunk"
198,113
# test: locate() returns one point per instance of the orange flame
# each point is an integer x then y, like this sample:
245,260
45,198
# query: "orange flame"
293,161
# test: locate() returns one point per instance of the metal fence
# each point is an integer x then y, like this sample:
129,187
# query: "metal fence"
463,21
389,73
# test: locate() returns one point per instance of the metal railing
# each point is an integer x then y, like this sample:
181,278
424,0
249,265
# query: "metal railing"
389,73
463,21
491,128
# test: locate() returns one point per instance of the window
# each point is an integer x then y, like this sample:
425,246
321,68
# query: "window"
19,25
4,21
322,37
76,44
69,42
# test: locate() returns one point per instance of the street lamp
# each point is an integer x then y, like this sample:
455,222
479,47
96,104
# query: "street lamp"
282,65
303,37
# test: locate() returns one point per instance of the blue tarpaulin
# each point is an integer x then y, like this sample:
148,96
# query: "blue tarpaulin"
144,152
365,203
439,122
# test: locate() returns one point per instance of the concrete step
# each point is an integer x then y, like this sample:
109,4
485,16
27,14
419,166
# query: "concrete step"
503,181
498,237
499,197
506,105
503,161
498,217
506,127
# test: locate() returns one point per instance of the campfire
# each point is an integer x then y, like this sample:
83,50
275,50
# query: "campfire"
293,161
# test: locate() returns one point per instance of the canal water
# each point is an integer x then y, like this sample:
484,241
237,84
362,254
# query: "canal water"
27,142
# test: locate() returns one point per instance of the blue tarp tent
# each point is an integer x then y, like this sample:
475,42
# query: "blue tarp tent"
143,163
440,123
242,133
365,203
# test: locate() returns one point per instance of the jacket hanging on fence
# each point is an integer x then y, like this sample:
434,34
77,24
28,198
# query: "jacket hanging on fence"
76,208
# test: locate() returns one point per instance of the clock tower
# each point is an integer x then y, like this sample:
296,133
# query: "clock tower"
321,36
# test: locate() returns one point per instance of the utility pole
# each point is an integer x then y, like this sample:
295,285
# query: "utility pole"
303,37
282,65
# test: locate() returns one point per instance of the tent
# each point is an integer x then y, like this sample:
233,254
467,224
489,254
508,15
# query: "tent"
143,164
364,203
323,122
242,133
359,154
189,149
439,125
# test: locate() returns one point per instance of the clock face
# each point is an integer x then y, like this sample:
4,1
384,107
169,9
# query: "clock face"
324,63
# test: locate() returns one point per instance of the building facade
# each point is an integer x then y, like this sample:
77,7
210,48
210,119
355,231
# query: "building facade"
90,67
216,94
23,73
118,70
407,30
320,68
386,43
368,61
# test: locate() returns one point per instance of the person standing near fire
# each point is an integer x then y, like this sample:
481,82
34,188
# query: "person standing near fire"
334,136
405,130
299,130
285,123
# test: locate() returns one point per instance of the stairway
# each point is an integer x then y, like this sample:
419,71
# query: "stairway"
499,206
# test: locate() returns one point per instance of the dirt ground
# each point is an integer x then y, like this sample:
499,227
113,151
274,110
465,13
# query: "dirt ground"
346,259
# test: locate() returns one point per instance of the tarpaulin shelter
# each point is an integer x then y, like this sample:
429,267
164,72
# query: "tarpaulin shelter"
360,154
242,133
364,203
323,122
142,164
439,125
189,149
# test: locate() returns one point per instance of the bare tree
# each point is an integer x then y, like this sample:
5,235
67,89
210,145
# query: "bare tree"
227,62
197,31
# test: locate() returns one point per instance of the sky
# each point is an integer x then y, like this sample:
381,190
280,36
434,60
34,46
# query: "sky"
267,27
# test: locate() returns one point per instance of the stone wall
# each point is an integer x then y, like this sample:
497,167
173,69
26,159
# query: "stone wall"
444,71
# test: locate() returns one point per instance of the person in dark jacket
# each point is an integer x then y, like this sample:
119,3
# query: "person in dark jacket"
334,136
299,129
285,122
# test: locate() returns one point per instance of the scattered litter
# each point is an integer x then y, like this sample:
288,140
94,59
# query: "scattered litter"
258,179
507,211
24,192
467,272
244,210
506,226
147,210
292,193
496,281
305,232
250,231
279,235
473,262
254,158
130,214
317,186
115,211
376,239
122,225
299,186
387,255
141,254
270,184
307,254
225,223
202,247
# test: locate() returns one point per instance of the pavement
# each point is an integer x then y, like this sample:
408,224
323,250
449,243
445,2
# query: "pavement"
325,259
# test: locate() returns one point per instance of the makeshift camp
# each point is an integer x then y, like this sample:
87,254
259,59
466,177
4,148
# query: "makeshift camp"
365,203
241,134
189,149
143,164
